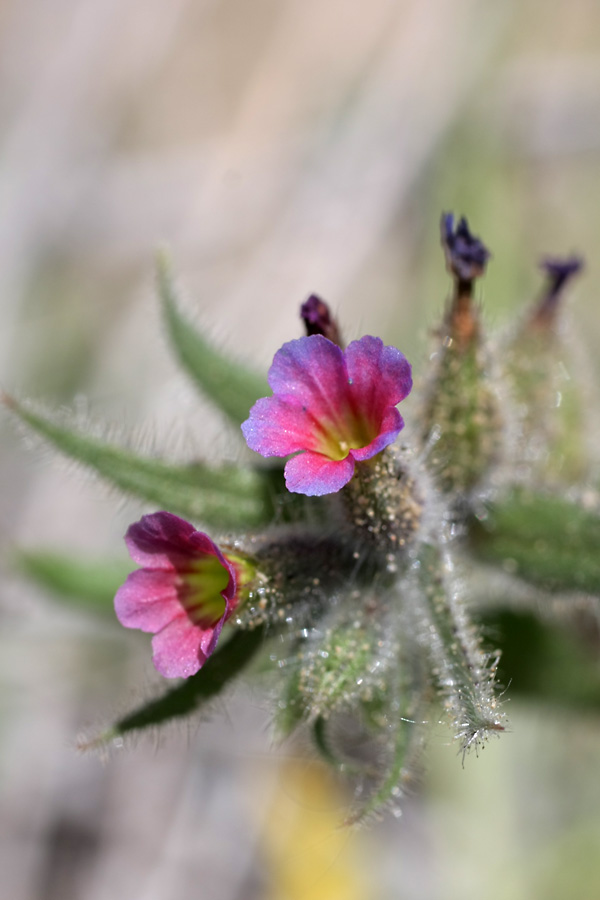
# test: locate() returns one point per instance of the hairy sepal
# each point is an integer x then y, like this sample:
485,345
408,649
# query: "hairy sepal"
465,675
462,428
341,662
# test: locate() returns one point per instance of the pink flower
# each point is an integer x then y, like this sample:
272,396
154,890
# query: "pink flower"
185,592
332,407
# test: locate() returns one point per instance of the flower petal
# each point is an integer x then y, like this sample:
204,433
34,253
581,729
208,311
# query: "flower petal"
392,425
163,541
148,600
380,377
311,372
182,648
314,474
277,427
160,540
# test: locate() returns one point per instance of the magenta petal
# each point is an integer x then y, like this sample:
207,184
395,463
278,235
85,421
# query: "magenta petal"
380,376
310,372
314,474
392,425
161,541
330,407
182,648
277,427
147,600
310,381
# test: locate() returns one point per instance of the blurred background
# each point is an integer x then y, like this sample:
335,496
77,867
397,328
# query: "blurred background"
277,147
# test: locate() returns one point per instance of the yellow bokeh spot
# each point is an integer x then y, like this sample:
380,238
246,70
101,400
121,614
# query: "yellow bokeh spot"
312,856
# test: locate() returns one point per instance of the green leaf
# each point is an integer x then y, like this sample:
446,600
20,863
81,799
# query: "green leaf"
545,539
544,661
227,497
88,584
232,387
225,664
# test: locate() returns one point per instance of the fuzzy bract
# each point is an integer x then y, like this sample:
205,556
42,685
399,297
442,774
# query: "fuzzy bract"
185,592
331,407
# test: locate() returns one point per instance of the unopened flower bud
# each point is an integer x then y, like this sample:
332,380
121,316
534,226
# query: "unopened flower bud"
317,318
340,665
461,418
299,573
549,422
466,256
559,273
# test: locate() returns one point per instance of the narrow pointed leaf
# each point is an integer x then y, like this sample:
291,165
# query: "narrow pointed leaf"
87,584
228,496
232,387
545,539
464,673
223,666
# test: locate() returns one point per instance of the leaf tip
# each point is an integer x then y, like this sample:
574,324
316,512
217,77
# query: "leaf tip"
101,742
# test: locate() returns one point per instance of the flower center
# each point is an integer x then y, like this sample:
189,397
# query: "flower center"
200,590
339,438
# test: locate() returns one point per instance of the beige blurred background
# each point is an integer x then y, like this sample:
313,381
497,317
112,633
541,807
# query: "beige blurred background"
278,147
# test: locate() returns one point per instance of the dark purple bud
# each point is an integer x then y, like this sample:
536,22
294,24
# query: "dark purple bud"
559,272
318,319
466,255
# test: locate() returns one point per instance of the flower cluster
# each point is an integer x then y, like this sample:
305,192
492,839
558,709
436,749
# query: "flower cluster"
335,409
353,586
